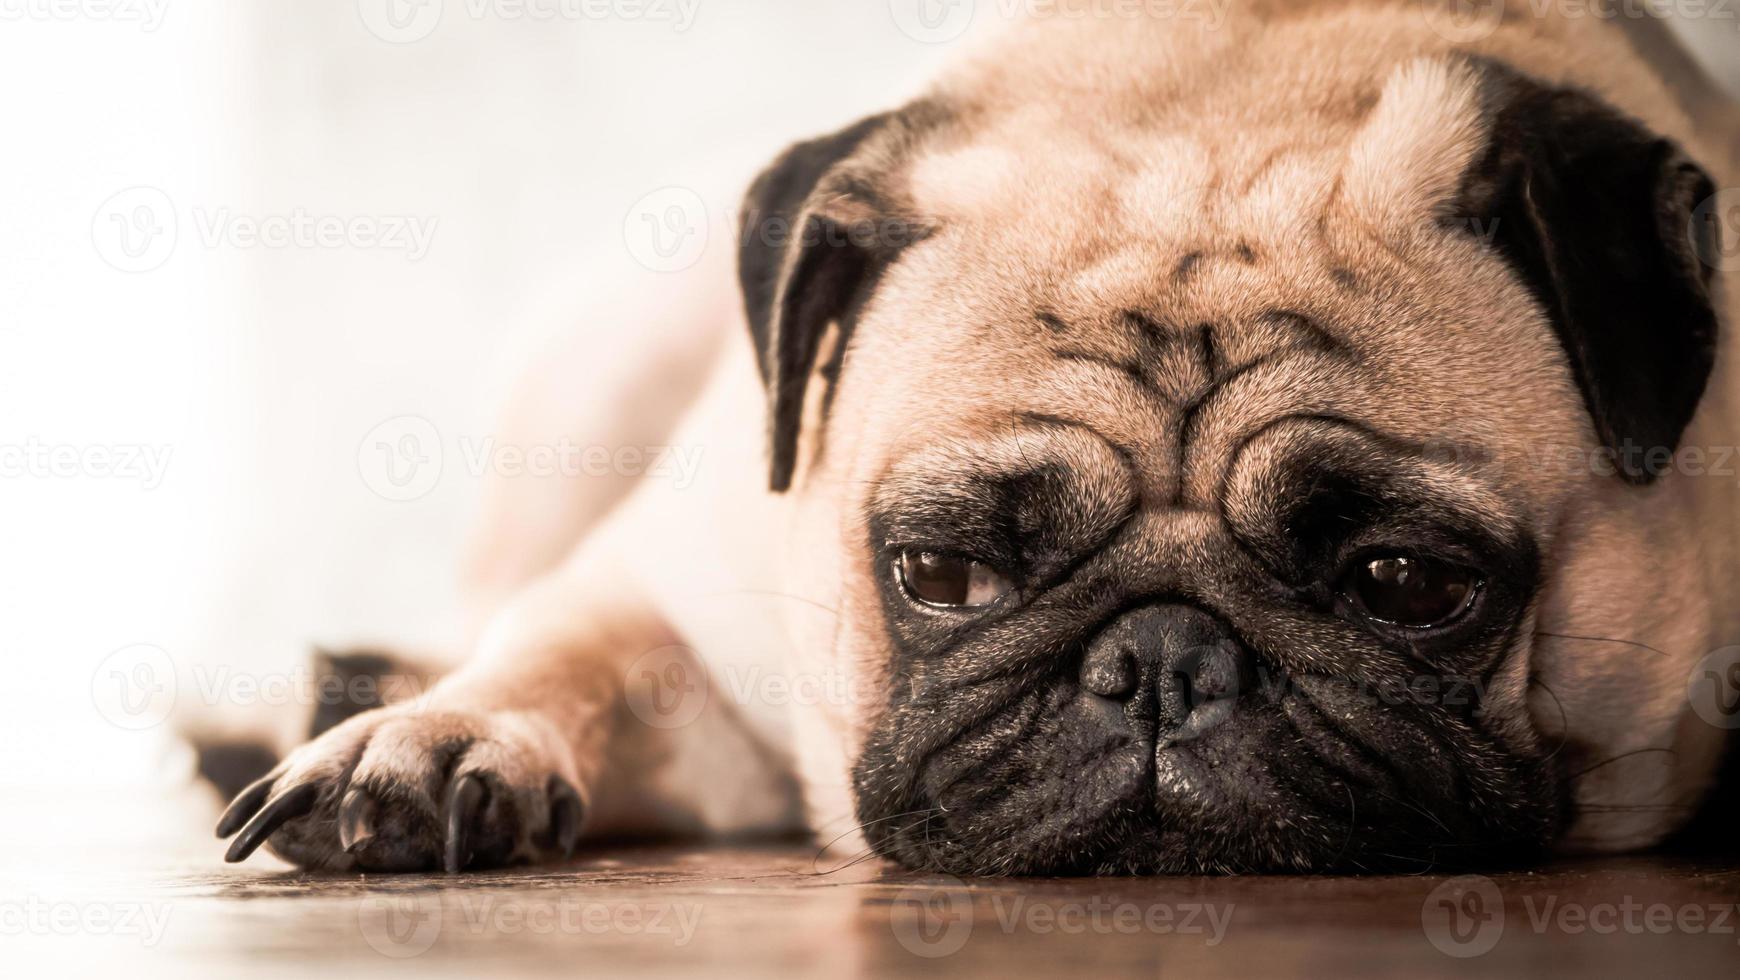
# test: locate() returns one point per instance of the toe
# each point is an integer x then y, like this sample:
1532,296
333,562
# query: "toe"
566,810
465,804
245,805
281,809
484,822
356,819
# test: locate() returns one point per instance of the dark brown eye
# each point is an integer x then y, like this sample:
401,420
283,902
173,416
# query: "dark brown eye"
1414,592
944,580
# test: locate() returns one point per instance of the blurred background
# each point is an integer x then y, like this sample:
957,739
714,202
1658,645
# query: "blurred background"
239,238
253,254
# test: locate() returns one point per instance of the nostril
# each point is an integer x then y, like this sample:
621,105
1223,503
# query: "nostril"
1211,674
1110,672
1198,691
1167,671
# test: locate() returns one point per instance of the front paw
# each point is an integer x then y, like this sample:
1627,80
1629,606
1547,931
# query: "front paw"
408,789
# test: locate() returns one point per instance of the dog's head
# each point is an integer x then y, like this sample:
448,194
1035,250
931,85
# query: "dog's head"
1213,472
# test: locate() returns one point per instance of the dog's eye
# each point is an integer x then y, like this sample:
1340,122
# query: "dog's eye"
1409,591
945,580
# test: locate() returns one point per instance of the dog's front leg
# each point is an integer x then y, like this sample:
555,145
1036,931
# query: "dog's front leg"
500,762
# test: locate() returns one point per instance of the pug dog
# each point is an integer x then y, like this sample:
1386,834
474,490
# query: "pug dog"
1250,446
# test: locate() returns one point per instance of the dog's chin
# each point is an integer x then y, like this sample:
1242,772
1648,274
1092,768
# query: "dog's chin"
1300,783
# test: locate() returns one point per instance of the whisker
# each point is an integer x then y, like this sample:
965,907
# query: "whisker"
869,853
1634,807
1602,639
1015,431
815,862
1352,823
784,595
1422,811
1622,755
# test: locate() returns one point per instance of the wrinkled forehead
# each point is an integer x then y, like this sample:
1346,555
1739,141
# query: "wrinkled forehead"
1179,292
1077,191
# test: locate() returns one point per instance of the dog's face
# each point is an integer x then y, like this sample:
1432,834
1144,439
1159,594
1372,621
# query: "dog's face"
1190,484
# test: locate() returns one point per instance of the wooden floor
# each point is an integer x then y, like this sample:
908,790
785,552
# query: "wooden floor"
135,888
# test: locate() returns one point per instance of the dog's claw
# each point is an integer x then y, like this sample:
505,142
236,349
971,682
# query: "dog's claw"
566,810
356,820
464,800
245,805
400,791
284,808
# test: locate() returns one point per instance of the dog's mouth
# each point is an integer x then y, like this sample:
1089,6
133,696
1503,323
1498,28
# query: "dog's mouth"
1275,774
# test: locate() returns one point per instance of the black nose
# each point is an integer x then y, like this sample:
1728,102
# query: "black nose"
1170,671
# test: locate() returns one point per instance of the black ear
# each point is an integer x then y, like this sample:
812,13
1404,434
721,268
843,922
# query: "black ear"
818,228
1596,214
